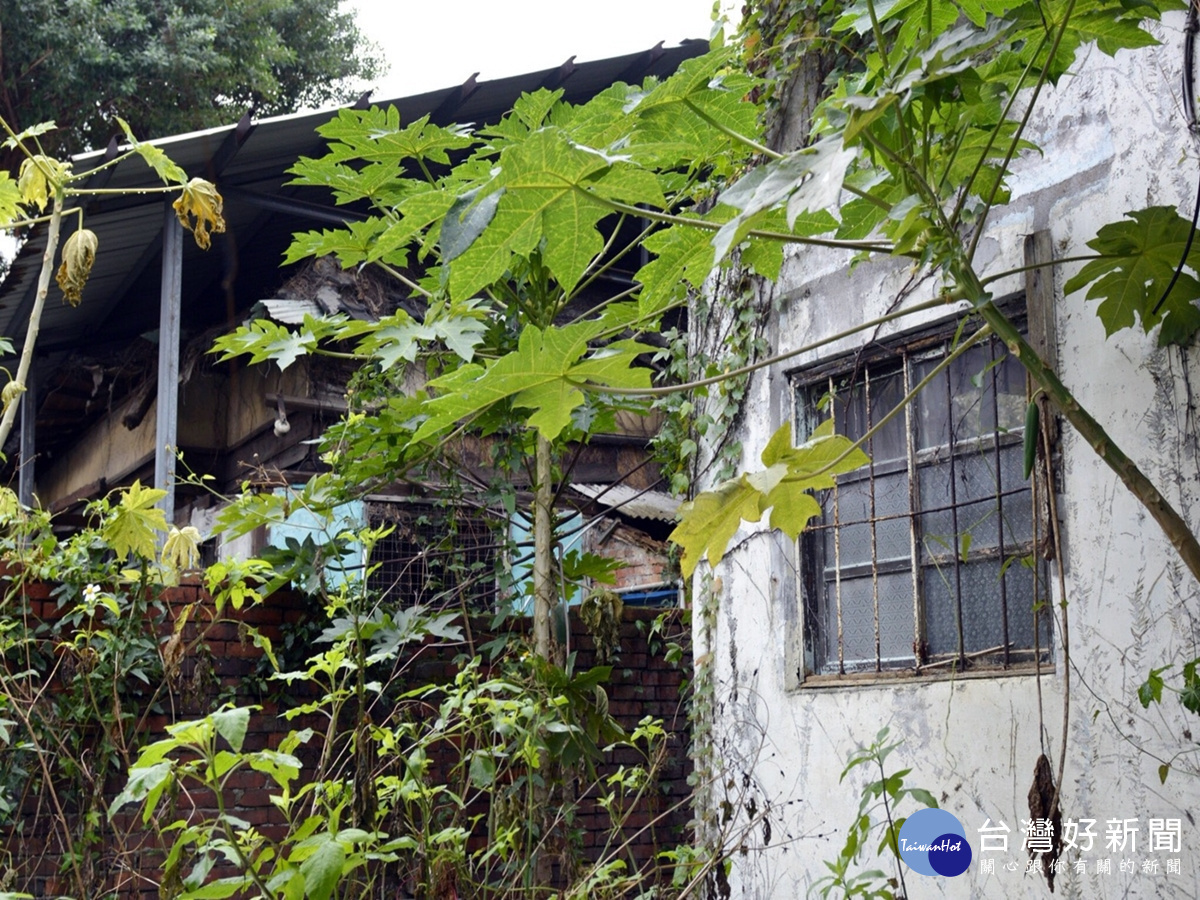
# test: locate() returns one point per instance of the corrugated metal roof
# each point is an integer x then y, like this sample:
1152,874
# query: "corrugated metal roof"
249,164
632,502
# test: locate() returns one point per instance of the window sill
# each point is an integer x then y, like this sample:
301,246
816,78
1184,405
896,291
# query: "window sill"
908,676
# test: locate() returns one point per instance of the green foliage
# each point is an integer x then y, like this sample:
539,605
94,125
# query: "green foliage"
547,373
1137,263
883,795
494,739
172,68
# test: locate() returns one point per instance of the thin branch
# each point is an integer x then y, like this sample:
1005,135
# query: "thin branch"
35,319
942,300
1043,77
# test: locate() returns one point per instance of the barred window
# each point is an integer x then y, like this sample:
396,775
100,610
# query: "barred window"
440,556
925,558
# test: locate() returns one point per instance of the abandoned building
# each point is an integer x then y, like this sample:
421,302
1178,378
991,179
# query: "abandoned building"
882,616
123,387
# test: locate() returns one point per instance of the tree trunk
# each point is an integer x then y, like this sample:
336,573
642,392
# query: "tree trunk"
544,599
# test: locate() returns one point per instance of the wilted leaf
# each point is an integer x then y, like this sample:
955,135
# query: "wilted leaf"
199,210
181,550
78,255
11,393
39,177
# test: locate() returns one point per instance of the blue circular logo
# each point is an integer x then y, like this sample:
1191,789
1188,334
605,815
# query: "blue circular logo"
934,842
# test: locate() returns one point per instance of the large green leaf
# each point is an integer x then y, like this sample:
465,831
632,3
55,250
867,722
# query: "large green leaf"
323,869
553,189
377,135
351,245
1139,256
546,373
689,117
810,180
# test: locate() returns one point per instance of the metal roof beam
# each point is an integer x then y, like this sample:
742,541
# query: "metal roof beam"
291,206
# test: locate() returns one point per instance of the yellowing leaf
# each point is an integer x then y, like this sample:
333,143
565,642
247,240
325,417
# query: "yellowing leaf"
39,177
155,158
135,523
78,255
10,200
199,210
11,393
708,523
181,551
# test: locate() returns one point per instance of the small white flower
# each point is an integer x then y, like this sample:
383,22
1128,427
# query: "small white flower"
91,593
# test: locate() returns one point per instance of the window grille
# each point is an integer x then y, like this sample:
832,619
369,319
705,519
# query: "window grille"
925,558
438,556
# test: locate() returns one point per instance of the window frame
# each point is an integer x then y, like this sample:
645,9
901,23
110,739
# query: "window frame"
815,665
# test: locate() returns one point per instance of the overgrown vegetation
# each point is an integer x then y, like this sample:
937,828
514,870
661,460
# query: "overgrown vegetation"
508,237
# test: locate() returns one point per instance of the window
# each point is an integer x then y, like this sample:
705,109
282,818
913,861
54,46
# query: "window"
439,556
926,558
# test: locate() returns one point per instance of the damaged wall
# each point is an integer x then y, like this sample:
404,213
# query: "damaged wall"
1113,139
217,412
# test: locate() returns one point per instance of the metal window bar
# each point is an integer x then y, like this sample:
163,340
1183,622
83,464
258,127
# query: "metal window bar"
999,493
837,552
435,556
870,423
921,558
957,538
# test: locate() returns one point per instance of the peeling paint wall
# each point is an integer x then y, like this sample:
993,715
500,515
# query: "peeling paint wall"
1114,140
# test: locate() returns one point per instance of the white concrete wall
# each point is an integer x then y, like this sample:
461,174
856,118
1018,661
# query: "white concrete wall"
1114,140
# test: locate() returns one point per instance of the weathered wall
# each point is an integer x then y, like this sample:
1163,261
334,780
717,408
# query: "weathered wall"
1114,140
216,412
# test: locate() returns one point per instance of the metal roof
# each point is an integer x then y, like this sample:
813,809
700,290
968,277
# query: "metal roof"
248,161
630,501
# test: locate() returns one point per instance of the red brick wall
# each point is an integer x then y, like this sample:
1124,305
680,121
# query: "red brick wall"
642,683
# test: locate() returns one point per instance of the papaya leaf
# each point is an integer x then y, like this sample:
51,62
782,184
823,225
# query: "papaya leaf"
135,523
155,157
708,523
10,200
546,373
1138,260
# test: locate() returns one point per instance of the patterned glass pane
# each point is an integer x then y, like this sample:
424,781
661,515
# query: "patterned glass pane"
858,624
892,532
896,619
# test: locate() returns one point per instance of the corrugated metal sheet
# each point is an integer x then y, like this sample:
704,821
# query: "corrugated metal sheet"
631,502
